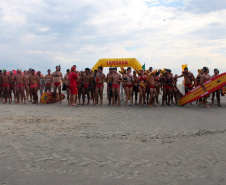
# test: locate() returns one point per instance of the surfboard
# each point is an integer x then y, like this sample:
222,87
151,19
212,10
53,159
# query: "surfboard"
224,90
211,85
48,97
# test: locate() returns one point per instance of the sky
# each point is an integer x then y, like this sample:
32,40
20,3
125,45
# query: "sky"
41,34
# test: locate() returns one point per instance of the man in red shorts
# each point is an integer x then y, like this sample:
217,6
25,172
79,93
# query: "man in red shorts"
167,81
33,80
5,81
57,77
73,86
100,79
116,79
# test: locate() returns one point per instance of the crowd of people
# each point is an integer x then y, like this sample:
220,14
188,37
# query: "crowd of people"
143,87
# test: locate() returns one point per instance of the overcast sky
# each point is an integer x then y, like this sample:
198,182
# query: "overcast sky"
160,33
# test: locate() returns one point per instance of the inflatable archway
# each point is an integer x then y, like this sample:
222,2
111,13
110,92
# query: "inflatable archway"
118,62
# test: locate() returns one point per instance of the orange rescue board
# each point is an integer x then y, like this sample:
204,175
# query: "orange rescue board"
211,85
48,97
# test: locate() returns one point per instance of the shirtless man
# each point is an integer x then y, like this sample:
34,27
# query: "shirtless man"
86,80
33,80
204,78
174,89
94,86
26,86
57,77
142,86
1,95
79,85
147,84
12,86
109,87
167,81
217,92
5,79
188,77
49,80
116,79
21,83
67,83
28,83
128,78
100,79
41,82
198,78
157,81
152,87
135,85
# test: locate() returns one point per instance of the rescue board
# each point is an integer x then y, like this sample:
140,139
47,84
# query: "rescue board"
211,85
224,90
48,97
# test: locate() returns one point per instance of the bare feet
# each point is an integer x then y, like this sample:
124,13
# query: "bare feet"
207,106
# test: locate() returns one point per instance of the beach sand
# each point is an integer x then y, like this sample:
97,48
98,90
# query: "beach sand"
57,144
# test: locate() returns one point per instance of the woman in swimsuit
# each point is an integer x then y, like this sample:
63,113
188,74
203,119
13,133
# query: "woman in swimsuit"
142,86
129,86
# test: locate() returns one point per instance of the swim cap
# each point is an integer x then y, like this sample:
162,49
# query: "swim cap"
73,68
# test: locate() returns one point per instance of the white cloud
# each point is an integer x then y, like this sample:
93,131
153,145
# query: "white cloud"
45,33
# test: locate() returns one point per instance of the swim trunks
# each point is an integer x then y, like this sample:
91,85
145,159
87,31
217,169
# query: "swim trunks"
115,85
33,85
6,85
74,90
19,85
99,85
130,85
166,87
151,86
85,85
56,84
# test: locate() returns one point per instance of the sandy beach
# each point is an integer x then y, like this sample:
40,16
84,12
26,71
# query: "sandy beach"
56,144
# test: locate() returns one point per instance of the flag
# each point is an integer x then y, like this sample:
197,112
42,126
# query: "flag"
183,66
143,67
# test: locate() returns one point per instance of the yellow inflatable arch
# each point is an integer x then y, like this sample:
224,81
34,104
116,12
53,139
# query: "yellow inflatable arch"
118,62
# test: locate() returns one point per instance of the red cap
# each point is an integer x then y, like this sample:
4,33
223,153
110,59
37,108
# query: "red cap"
73,68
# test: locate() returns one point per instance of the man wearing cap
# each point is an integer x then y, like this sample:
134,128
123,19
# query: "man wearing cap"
67,83
217,92
100,79
116,79
203,79
135,85
41,82
79,85
21,83
73,86
57,77
87,83
12,86
49,80
5,79
109,85
33,80
167,82
26,86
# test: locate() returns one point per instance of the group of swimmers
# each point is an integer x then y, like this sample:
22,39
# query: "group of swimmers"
82,86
